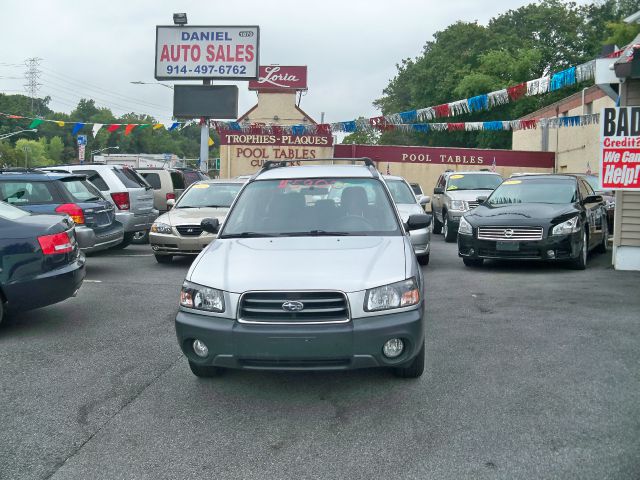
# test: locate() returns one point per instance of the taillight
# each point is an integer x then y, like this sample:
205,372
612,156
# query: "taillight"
171,196
55,244
121,199
73,210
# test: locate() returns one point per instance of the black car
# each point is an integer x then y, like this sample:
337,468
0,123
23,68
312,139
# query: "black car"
539,217
40,259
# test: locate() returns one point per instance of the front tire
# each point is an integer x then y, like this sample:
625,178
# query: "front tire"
1,309
414,368
205,371
164,258
424,259
449,235
603,246
437,226
141,237
473,262
580,262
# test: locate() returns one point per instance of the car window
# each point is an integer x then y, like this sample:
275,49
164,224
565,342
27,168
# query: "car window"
152,179
190,177
82,190
209,195
585,188
441,182
539,191
23,192
129,178
303,207
9,212
416,189
593,182
466,181
178,180
400,192
95,178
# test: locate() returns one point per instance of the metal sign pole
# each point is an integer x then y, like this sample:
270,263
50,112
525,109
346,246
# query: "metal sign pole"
204,136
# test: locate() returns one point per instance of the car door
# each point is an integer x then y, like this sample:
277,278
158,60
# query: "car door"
436,201
593,211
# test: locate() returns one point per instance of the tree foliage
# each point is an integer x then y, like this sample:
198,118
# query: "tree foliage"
468,59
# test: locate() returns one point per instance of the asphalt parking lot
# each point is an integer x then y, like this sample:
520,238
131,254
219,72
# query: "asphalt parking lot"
533,371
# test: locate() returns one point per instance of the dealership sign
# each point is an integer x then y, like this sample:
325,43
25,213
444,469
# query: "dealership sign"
279,77
620,148
207,52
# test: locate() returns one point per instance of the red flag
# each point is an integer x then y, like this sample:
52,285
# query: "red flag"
113,127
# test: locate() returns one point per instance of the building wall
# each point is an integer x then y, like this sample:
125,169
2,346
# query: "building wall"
577,147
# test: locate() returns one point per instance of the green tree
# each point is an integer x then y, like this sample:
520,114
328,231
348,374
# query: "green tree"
55,149
33,153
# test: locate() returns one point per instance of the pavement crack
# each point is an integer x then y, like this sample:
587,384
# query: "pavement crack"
124,405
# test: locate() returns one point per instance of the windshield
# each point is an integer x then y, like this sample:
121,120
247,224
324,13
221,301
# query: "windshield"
310,207
473,182
537,191
400,192
9,212
209,195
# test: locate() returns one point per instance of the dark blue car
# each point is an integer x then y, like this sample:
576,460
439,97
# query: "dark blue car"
65,194
40,262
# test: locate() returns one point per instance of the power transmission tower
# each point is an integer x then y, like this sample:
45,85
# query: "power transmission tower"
32,75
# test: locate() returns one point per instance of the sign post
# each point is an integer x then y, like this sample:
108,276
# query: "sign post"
82,144
620,148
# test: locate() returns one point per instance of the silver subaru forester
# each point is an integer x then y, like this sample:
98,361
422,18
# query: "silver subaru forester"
312,269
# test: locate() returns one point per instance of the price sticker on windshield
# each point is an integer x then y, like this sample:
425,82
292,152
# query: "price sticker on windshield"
456,177
512,182
201,185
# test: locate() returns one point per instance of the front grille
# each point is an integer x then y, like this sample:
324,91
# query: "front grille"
510,233
522,253
189,230
318,307
295,363
472,205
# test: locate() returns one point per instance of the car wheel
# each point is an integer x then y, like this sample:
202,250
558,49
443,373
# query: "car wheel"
414,368
164,258
603,246
1,310
449,234
126,241
141,237
423,259
205,371
437,226
580,262
473,262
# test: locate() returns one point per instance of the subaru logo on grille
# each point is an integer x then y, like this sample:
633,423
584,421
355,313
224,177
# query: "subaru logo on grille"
508,233
292,306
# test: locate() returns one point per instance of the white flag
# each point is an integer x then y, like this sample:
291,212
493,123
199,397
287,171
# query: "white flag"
96,129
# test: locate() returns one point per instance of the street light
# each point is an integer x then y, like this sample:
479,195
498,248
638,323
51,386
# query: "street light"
26,150
138,82
7,135
103,150
180,19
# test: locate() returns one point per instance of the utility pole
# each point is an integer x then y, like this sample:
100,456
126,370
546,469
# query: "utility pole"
32,75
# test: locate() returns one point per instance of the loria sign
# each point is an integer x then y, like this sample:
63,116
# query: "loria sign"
620,148
279,77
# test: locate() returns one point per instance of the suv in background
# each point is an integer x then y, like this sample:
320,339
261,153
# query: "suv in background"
167,184
417,191
456,193
65,194
124,188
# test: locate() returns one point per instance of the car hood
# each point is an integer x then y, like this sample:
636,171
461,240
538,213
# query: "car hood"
192,216
406,209
301,263
538,214
468,194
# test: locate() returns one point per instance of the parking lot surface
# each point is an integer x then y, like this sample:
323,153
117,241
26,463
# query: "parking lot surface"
533,371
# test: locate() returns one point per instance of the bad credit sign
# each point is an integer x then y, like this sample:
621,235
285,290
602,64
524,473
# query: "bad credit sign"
207,52
620,148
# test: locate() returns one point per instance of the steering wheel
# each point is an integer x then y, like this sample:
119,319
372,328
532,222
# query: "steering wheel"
353,222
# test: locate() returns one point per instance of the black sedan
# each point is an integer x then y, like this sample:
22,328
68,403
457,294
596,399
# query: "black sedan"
40,262
541,217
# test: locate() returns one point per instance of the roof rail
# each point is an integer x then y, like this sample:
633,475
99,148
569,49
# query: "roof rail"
271,164
19,170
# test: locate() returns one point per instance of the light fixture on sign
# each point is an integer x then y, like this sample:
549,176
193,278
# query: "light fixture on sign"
180,18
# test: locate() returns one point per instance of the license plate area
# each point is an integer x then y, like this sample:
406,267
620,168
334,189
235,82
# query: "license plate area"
508,246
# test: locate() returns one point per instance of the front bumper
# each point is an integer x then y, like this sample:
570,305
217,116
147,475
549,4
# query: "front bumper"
46,288
356,344
132,222
564,247
420,240
91,241
164,244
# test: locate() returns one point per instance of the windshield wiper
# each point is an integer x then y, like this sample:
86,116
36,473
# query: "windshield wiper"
248,235
92,199
315,233
215,206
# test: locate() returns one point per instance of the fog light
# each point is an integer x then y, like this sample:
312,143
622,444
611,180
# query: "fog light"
551,254
154,247
393,348
472,251
200,348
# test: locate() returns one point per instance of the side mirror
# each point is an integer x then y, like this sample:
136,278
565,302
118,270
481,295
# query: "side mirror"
418,221
171,203
593,199
210,225
438,191
481,199
424,200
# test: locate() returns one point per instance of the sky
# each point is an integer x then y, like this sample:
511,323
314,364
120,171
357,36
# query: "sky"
351,47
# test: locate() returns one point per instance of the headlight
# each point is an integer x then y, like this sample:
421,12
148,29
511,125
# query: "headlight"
465,227
395,295
570,226
201,298
159,227
459,205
